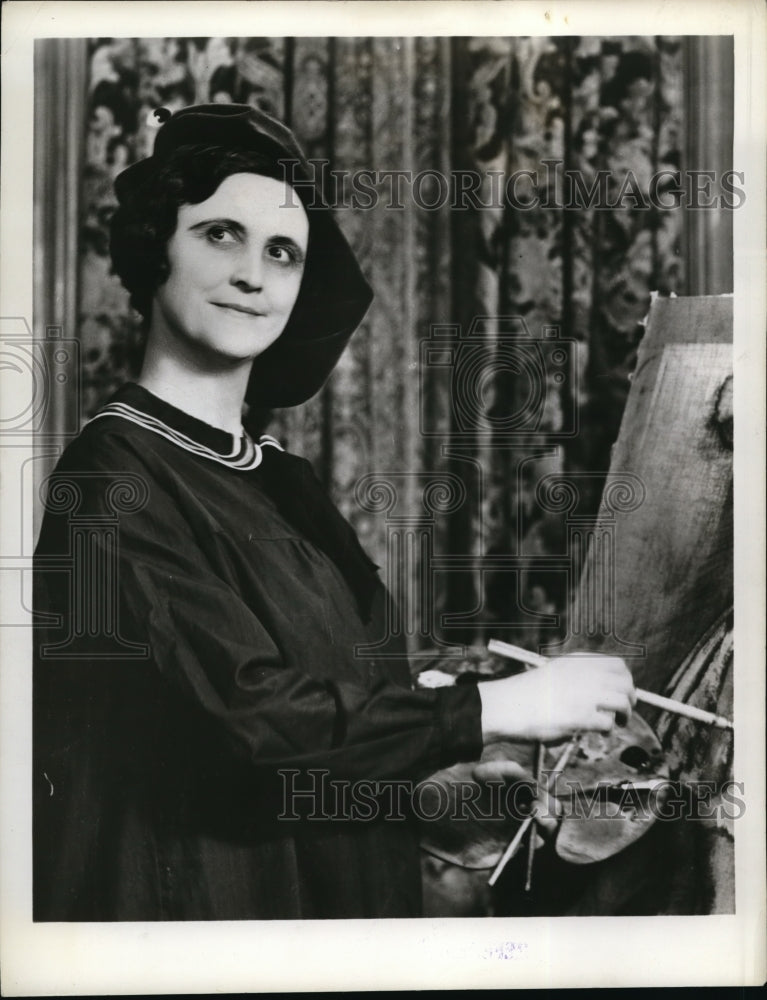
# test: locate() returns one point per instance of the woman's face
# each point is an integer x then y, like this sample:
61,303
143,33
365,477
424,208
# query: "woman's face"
236,262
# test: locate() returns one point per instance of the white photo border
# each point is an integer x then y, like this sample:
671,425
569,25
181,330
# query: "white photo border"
276,956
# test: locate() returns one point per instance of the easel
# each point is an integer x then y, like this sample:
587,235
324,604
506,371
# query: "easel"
673,553
672,580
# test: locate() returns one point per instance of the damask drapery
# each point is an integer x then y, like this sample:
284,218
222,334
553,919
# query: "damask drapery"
448,480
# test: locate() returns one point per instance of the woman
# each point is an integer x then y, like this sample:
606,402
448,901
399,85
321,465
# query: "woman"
179,766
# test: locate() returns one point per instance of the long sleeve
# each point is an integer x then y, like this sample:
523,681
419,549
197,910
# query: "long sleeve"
213,648
277,676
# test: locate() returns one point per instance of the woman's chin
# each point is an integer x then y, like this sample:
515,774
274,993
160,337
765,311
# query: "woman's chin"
222,355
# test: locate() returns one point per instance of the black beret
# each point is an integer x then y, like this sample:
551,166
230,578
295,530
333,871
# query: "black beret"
334,294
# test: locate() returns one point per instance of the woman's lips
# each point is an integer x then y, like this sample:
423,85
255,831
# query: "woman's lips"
247,310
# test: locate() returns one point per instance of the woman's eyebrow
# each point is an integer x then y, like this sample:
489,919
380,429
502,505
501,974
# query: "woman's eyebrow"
286,240
218,221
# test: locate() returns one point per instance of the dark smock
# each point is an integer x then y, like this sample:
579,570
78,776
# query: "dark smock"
161,780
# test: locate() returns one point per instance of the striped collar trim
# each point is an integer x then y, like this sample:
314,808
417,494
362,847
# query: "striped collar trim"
247,453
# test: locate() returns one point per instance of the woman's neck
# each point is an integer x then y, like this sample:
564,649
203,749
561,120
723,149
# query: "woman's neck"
216,396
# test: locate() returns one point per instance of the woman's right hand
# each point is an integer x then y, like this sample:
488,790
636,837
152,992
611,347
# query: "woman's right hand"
568,693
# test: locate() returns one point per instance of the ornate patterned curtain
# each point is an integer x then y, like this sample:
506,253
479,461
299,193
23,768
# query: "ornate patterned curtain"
451,481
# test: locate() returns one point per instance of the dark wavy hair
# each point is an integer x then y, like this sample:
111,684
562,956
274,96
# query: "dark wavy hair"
142,225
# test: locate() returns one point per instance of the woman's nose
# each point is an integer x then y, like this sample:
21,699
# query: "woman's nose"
247,272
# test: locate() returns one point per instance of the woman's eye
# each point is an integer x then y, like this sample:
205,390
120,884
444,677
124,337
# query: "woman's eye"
281,254
219,234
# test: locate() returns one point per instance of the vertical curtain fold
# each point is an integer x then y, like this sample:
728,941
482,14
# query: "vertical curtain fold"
60,70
